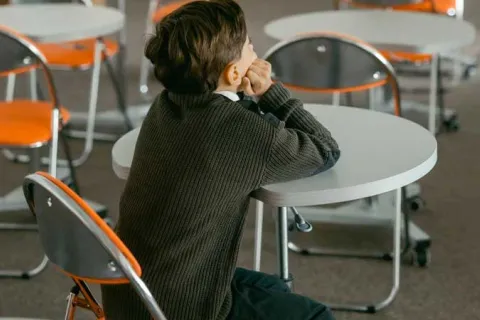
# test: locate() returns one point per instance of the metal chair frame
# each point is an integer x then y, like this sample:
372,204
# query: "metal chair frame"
117,78
462,66
300,224
57,134
118,258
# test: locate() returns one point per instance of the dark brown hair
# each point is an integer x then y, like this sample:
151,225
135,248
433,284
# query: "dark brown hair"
193,45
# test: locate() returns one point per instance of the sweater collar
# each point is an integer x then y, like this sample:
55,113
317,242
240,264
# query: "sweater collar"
192,101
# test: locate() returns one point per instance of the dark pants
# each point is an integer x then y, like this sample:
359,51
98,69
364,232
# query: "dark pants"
259,296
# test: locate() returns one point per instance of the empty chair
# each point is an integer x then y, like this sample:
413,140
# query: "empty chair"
29,125
82,245
330,63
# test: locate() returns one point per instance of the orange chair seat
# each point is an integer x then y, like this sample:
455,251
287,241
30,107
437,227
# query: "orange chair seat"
394,56
26,123
439,6
75,54
167,9
18,70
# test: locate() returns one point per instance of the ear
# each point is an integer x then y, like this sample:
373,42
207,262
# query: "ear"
232,75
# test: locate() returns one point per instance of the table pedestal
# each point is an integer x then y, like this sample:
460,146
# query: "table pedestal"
283,269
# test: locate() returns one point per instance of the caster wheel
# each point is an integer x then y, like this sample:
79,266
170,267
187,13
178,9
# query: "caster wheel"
422,257
415,204
451,125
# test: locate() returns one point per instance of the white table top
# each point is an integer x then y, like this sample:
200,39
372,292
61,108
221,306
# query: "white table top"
60,22
380,153
394,30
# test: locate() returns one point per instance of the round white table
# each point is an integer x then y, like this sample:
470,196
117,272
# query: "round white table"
60,22
387,30
380,153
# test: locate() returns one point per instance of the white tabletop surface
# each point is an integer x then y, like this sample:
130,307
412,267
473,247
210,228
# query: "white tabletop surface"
380,153
395,30
61,22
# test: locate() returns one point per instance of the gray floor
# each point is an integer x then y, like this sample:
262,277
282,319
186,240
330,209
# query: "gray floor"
449,289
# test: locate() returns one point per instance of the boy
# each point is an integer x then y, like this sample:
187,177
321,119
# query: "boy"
199,155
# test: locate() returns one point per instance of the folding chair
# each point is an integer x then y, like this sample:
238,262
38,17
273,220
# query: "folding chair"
156,12
86,54
332,63
29,125
82,245
459,67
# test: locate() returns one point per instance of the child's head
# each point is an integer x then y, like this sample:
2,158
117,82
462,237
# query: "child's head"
201,47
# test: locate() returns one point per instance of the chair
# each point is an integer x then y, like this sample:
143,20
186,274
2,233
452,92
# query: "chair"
86,54
30,125
408,63
154,15
331,63
82,245
319,63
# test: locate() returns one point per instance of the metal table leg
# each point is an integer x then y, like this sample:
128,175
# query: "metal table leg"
257,250
282,245
282,251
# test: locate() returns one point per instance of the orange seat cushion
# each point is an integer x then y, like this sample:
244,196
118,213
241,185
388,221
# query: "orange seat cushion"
167,9
26,123
75,54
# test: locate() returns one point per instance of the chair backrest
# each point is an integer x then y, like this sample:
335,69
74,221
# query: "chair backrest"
330,63
78,241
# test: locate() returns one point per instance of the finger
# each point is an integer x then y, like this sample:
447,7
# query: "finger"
262,63
261,71
247,86
255,80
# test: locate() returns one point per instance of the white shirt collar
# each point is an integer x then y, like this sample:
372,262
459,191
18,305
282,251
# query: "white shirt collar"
229,94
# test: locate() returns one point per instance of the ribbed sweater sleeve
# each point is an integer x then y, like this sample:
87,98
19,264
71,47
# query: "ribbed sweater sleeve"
301,146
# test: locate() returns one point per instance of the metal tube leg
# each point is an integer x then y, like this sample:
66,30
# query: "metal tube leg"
145,64
397,225
257,251
282,244
10,90
433,95
33,84
336,99
92,105
20,274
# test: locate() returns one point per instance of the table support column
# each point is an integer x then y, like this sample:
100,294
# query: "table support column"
282,245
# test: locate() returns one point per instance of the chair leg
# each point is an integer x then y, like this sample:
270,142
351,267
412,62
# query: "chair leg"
10,90
119,91
71,306
88,301
33,84
25,274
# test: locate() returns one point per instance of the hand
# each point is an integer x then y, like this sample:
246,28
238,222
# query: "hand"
258,78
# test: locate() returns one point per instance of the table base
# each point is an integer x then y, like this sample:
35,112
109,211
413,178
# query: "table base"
282,255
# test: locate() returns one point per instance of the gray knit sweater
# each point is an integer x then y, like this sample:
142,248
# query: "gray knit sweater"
197,159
